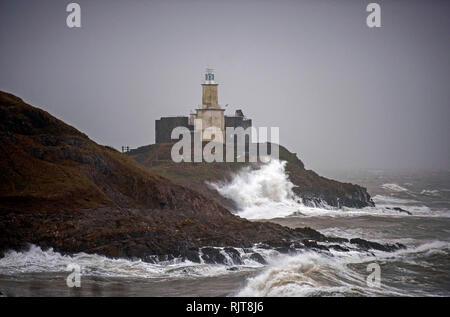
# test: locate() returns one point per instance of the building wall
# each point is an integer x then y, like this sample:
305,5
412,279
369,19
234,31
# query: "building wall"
210,117
165,125
236,122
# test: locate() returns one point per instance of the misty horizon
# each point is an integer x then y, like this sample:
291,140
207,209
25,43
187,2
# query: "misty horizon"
344,95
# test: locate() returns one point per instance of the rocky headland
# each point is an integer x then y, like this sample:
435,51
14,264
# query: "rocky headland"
60,189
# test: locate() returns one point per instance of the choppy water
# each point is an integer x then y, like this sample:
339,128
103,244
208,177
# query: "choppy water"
422,269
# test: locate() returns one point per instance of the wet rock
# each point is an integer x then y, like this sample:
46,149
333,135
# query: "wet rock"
213,256
153,259
286,250
368,245
297,245
336,239
311,234
338,248
400,210
258,258
283,250
166,257
266,246
234,254
314,245
192,255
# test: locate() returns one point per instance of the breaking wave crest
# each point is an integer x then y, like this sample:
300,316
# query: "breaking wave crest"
341,274
307,273
36,260
394,187
262,193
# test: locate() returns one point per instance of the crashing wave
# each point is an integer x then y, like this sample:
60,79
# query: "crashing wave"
394,187
430,192
262,193
319,274
37,260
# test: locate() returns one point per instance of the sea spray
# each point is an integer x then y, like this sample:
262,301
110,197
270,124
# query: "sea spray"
37,260
343,273
312,274
265,192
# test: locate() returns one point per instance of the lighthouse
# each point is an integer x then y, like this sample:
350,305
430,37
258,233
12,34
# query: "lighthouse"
211,114
210,99
207,115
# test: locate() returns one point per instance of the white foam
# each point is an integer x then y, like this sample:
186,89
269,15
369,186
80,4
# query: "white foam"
309,273
383,200
394,187
35,260
261,193
430,192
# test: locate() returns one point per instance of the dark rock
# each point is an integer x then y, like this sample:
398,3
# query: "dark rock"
192,255
336,239
166,257
153,259
314,245
267,246
368,245
338,248
309,233
48,140
74,141
213,256
234,254
286,250
37,153
258,258
402,210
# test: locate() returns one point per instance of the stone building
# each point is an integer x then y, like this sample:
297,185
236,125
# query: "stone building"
210,113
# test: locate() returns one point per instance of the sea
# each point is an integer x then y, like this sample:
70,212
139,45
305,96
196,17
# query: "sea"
422,269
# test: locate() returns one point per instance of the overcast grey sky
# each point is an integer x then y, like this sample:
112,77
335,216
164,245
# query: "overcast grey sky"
344,95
